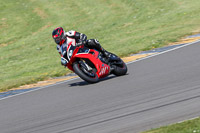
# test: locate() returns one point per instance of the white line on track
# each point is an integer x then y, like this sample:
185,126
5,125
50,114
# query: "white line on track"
39,88
164,52
126,63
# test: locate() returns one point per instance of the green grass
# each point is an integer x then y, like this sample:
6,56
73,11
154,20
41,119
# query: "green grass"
191,126
28,53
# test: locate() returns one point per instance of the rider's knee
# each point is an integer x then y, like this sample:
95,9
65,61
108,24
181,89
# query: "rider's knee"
93,42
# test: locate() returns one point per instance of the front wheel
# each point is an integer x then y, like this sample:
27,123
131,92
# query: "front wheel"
89,76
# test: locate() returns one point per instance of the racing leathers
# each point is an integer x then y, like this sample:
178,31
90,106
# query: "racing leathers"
77,38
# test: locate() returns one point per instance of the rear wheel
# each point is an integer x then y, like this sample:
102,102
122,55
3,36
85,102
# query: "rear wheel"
120,68
84,73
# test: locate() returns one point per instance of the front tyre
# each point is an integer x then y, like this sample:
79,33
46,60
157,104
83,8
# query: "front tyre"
88,76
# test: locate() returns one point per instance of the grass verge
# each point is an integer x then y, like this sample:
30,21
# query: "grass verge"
28,53
191,126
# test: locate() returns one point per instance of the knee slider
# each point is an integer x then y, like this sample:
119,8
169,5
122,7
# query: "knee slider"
96,41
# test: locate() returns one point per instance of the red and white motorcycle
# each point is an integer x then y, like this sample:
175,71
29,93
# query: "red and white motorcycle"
91,65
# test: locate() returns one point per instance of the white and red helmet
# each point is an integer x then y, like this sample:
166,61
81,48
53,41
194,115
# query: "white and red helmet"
58,35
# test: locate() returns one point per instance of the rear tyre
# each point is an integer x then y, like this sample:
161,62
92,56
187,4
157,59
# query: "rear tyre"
120,68
88,76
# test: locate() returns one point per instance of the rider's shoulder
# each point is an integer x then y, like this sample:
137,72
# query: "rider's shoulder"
70,33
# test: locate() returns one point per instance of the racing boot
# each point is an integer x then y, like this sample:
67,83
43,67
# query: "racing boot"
94,43
105,53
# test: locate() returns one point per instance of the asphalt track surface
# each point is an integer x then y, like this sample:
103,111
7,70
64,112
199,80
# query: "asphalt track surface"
157,91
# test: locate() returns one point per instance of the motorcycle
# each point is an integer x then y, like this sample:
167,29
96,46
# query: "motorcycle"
90,64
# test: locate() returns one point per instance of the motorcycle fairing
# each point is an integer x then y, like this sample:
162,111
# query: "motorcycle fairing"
71,52
102,68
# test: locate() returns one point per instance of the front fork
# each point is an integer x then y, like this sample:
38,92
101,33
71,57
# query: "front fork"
85,65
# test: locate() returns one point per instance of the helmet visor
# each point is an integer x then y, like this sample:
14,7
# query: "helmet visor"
58,39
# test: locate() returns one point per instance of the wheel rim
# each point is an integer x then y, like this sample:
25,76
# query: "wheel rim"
91,73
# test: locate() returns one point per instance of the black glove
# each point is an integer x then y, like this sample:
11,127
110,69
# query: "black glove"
83,37
64,61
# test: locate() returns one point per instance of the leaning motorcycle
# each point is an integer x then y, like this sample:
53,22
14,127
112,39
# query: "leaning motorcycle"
90,65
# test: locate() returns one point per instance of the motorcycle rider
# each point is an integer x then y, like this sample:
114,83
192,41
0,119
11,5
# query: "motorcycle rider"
64,38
